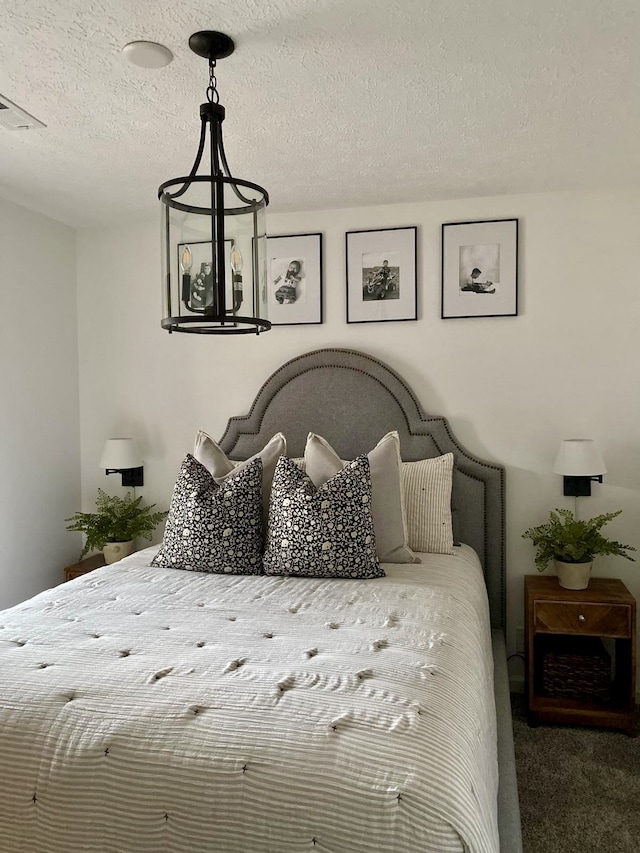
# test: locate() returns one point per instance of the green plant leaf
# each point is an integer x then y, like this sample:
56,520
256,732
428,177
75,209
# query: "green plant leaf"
116,520
571,540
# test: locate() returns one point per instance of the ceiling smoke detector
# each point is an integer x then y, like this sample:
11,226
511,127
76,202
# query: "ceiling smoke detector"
13,117
147,54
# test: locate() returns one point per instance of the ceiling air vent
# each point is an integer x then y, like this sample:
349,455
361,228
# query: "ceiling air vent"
13,117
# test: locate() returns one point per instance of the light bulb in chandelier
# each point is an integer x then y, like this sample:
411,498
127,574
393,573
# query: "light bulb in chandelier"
186,262
236,268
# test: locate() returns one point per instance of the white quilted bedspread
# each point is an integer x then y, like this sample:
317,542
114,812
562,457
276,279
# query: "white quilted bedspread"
162,711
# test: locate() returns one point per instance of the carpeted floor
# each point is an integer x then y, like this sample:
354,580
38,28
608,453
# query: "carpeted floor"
579,788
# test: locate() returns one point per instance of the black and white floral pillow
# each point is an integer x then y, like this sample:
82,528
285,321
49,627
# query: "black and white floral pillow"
326,532
214,528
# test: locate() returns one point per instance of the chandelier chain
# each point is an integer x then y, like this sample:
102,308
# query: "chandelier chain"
212,90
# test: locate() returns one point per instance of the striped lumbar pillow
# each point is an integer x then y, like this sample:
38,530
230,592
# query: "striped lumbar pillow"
427,502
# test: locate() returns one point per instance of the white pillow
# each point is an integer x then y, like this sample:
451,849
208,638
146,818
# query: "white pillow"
322,462
208,453
427,500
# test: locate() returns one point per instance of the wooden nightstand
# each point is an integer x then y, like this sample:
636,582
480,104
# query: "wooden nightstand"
84,566
606,609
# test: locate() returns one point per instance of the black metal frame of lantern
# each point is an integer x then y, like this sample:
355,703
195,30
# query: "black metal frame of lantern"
213,318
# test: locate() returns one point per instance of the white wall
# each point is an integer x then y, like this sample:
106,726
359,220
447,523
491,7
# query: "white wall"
39,409
512,388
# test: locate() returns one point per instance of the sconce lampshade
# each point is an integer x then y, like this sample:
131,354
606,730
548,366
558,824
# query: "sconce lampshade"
580,463
119,454
579,457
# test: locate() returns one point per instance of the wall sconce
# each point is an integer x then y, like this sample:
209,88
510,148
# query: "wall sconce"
121,456
580,463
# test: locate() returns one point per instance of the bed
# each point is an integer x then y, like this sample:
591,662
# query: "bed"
150,709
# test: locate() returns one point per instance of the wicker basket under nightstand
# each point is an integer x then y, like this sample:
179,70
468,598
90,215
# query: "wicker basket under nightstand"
576,668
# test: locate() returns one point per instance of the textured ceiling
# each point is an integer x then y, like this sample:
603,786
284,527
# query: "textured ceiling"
330,103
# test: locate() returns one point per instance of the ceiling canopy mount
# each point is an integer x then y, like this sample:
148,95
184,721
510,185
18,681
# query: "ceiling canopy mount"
210,44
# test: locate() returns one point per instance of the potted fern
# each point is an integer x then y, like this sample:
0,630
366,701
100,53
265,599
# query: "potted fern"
117,522
572,544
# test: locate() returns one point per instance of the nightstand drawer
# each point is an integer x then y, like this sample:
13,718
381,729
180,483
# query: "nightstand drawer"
602,620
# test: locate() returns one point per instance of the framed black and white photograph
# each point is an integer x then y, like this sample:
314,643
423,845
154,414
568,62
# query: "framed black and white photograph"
196,277
381,275
480,269
294,279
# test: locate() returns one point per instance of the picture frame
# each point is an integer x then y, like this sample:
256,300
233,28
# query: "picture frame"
294,279
196,288
382,284
480,269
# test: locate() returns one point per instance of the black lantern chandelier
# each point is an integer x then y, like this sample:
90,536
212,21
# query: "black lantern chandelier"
212,224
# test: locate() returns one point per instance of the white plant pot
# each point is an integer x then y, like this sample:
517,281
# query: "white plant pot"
573,575
114,551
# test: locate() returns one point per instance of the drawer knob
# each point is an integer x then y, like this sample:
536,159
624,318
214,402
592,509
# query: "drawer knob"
582,618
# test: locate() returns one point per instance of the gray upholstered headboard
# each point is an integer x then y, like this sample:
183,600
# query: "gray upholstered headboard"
352,399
